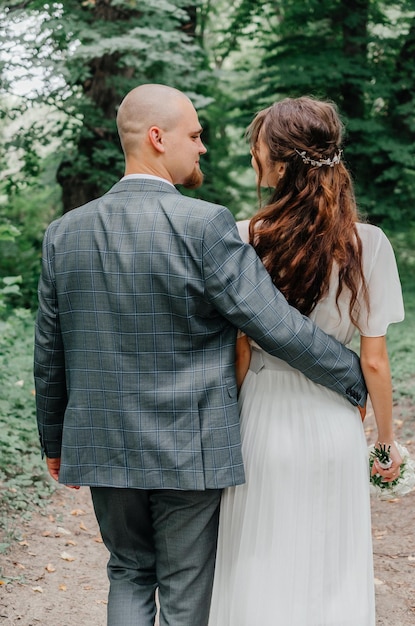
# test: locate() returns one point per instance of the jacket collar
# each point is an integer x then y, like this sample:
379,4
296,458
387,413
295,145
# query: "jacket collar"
139,184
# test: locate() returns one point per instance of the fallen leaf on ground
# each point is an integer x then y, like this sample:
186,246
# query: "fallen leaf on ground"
98,539
37,589
70,542
379,534
82,526
63,531
23,543
67,557
49,568
62,587
379,582
78,512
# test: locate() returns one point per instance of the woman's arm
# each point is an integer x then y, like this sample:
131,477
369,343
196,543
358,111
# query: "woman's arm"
242,359
375,366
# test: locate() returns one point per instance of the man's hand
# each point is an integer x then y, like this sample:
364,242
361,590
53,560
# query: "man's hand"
54,466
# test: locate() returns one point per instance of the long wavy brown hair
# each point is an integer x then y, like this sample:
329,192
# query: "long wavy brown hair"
309,221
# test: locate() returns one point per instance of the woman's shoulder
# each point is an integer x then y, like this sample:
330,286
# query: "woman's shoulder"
369,231
374,240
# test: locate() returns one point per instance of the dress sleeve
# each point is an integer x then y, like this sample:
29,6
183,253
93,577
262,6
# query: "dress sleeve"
384,287
243,229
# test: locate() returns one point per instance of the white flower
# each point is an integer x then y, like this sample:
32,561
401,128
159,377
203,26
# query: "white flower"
403,485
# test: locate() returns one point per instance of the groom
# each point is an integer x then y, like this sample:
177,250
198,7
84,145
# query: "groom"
140,296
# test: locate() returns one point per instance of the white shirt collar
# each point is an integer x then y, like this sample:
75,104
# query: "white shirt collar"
148,176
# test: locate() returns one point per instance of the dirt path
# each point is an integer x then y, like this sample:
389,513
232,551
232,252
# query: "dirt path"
55,574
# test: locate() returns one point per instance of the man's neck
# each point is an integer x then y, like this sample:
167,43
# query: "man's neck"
147,176
154,168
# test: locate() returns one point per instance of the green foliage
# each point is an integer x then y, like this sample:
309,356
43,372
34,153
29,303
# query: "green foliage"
9,285
232,59
358,53
401,337
24,216
92,55
8,232
22,471
10,288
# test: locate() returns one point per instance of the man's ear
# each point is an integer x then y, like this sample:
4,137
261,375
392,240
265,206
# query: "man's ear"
155,136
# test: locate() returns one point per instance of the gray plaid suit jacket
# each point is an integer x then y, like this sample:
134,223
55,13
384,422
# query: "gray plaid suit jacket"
139,297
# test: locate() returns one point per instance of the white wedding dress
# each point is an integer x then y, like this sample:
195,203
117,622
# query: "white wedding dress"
295,545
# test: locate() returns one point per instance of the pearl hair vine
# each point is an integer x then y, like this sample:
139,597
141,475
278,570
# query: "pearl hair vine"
330,162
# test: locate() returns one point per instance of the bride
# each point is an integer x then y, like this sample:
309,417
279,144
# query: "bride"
295,543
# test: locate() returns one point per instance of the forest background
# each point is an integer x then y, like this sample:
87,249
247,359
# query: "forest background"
64,68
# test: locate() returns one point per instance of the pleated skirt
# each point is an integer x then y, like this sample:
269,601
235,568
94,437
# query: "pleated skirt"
295,546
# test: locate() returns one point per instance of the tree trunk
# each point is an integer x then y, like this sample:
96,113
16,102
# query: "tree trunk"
355,15
74,173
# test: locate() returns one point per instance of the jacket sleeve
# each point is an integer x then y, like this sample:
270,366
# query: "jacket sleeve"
238,285
49,361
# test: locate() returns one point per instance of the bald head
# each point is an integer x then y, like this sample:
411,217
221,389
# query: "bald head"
160,134
144,107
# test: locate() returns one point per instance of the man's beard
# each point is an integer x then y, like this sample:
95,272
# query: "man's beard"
194,180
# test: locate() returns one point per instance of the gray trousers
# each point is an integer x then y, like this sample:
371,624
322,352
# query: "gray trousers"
161,539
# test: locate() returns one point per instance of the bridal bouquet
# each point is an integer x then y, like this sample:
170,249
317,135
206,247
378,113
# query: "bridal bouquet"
401,485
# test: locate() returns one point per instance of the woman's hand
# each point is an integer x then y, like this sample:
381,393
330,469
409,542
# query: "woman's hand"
393,472
242,358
